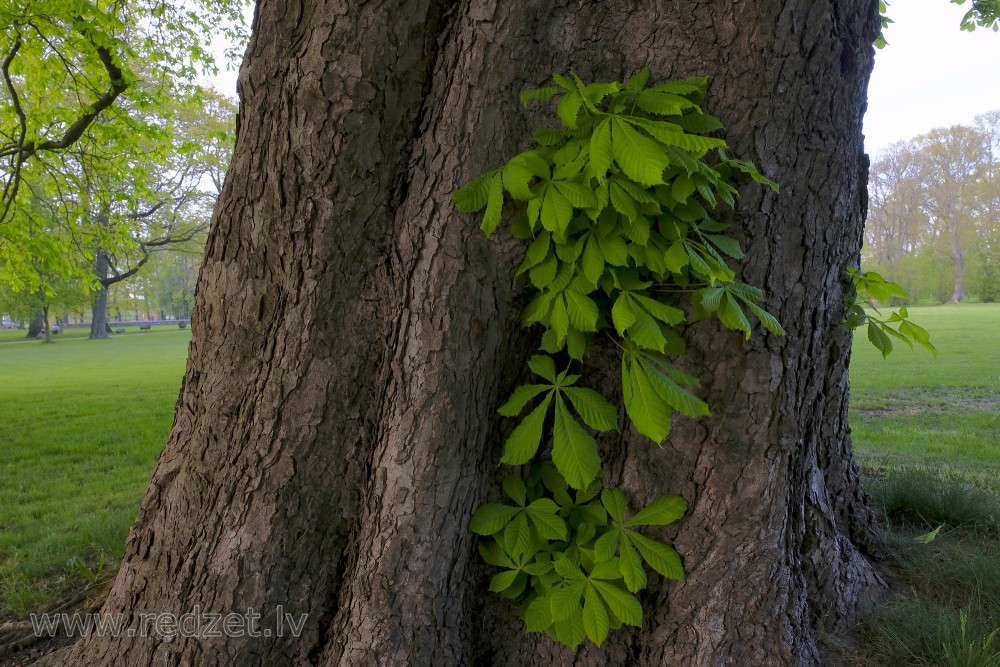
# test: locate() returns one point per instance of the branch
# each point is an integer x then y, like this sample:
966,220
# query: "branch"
12,185
22,151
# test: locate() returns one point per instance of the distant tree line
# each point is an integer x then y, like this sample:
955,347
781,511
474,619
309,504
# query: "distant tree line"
934,213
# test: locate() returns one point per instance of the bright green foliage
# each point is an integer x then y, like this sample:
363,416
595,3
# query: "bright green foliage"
571,557
92,92
870,286
618,207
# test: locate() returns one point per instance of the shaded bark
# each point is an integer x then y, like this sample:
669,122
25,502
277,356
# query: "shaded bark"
36,326
99,326
353,335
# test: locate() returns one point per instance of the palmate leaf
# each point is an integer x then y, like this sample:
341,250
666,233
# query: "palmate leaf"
582,310
639,157
659,556
631,567
574,451
556,211
494,205
570,631
524,441
614,502
646,408
663,511
491,518
544,515
675,395
879,339
543,367
474,195
594,409
517,535
601,153
537,252
623,605
592,260
732,316
538,95
595,616
503,581
537,615
521,396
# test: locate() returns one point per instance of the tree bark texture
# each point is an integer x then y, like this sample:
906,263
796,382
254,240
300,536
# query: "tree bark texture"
354,335
36,325
99,326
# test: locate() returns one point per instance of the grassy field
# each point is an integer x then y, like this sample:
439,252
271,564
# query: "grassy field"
81,425
936,415
82,422
927,431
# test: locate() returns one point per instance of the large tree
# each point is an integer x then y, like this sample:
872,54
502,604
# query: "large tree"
354,335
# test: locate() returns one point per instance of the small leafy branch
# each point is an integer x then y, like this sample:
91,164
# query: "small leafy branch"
872,287
556,548
618,206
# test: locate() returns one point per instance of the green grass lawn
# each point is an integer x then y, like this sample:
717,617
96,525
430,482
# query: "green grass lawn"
81,425
937,415
82,422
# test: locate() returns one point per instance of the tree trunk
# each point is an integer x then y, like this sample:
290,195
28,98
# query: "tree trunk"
99,326
36,326
958,262
354,335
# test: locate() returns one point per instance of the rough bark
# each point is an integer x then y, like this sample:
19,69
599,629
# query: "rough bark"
36,325
99,326
354,334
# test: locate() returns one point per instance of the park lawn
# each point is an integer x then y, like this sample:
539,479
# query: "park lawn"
927,432
78,333
81,425
82,422
939,415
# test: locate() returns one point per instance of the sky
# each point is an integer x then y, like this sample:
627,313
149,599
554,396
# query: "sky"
930,75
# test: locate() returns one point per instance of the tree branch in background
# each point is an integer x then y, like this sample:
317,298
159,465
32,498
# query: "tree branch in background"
21,151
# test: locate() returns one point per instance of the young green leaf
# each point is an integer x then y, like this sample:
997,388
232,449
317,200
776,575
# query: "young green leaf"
517,535
640,157
593,408
527,436
521,396
631,566
661,557
614,502
514,488
647,410
879,339
663,511
622,604
491,518
574,451
543,367
544,515
595,616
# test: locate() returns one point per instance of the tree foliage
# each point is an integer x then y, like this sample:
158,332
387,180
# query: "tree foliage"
934,215
621,207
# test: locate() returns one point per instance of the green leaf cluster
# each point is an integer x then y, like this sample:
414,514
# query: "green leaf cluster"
871,287
619,206
572,558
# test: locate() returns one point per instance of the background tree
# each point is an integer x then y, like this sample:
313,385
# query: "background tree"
934,212
102,53
354,334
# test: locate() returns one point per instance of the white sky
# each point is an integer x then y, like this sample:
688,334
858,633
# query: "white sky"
930,75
